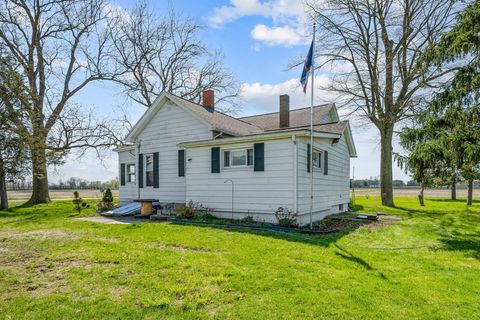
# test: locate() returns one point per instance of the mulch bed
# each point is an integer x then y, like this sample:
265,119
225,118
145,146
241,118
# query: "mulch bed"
344,222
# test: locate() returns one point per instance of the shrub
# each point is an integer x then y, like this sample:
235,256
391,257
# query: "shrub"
191,209
107,201
248,220
108,196
354,207
78,202
286,218
185,211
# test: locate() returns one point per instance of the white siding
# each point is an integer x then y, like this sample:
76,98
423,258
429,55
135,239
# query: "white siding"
129,190
170,126
256,193
329,190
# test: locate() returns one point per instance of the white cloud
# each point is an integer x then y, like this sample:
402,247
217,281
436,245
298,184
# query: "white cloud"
263,97
278,10
237,9
114,11
276,35
288,17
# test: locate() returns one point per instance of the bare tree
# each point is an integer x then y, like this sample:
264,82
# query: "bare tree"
56,48
164,53
381,44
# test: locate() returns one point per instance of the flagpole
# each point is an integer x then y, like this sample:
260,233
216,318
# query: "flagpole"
311,128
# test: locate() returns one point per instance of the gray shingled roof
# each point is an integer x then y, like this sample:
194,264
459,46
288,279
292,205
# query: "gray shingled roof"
334,127
219,120
298,117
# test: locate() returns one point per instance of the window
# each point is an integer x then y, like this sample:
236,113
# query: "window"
238,158
317,159
149,170
131,173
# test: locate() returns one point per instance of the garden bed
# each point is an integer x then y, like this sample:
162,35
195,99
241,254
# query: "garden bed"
335,223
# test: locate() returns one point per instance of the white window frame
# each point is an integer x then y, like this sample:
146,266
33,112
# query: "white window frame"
129,173
230,162
145,170
320,162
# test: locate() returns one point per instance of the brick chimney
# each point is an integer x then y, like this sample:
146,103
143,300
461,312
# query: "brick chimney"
284,116
209,100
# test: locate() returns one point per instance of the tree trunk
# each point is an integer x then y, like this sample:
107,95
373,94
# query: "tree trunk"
3,187
453,191
470,193
386,154
40,179
420,196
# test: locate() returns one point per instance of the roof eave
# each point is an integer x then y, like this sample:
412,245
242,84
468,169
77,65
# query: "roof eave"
256,137
124,148
350,142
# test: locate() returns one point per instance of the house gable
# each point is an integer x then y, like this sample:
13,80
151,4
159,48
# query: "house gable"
163,101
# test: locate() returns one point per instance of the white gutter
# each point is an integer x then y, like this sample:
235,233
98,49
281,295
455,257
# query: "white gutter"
256,137
124,148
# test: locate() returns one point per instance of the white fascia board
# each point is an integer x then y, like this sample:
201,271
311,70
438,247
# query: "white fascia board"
124,148
257,137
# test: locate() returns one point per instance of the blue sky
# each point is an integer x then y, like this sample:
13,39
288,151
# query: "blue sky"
258,39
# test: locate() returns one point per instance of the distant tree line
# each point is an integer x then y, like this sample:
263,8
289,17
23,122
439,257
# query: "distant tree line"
69,184
375,183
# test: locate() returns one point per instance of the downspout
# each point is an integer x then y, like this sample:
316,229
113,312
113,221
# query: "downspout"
295,174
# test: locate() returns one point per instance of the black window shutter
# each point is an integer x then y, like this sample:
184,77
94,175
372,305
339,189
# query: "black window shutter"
309,165
259,157
216,160
181,163
140,170
122,174
325,162
156,182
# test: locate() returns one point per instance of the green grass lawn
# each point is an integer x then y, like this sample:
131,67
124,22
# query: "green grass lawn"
53,266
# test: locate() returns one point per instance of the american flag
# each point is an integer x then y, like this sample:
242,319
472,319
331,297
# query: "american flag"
307,66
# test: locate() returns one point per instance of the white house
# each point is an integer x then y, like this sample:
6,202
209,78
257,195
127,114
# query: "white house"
180,151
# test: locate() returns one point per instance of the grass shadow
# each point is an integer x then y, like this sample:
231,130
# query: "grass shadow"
469,244
356,207
458,200
323,240
347,255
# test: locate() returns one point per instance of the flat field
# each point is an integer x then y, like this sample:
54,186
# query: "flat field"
413,192
58,194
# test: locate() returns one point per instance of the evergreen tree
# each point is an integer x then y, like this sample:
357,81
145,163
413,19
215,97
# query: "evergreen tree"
446,142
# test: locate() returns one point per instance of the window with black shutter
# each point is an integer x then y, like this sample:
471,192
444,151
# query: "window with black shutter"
122,174
215,161
181,163
325,166
140,170
259,156
149,170
156,169
131,172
